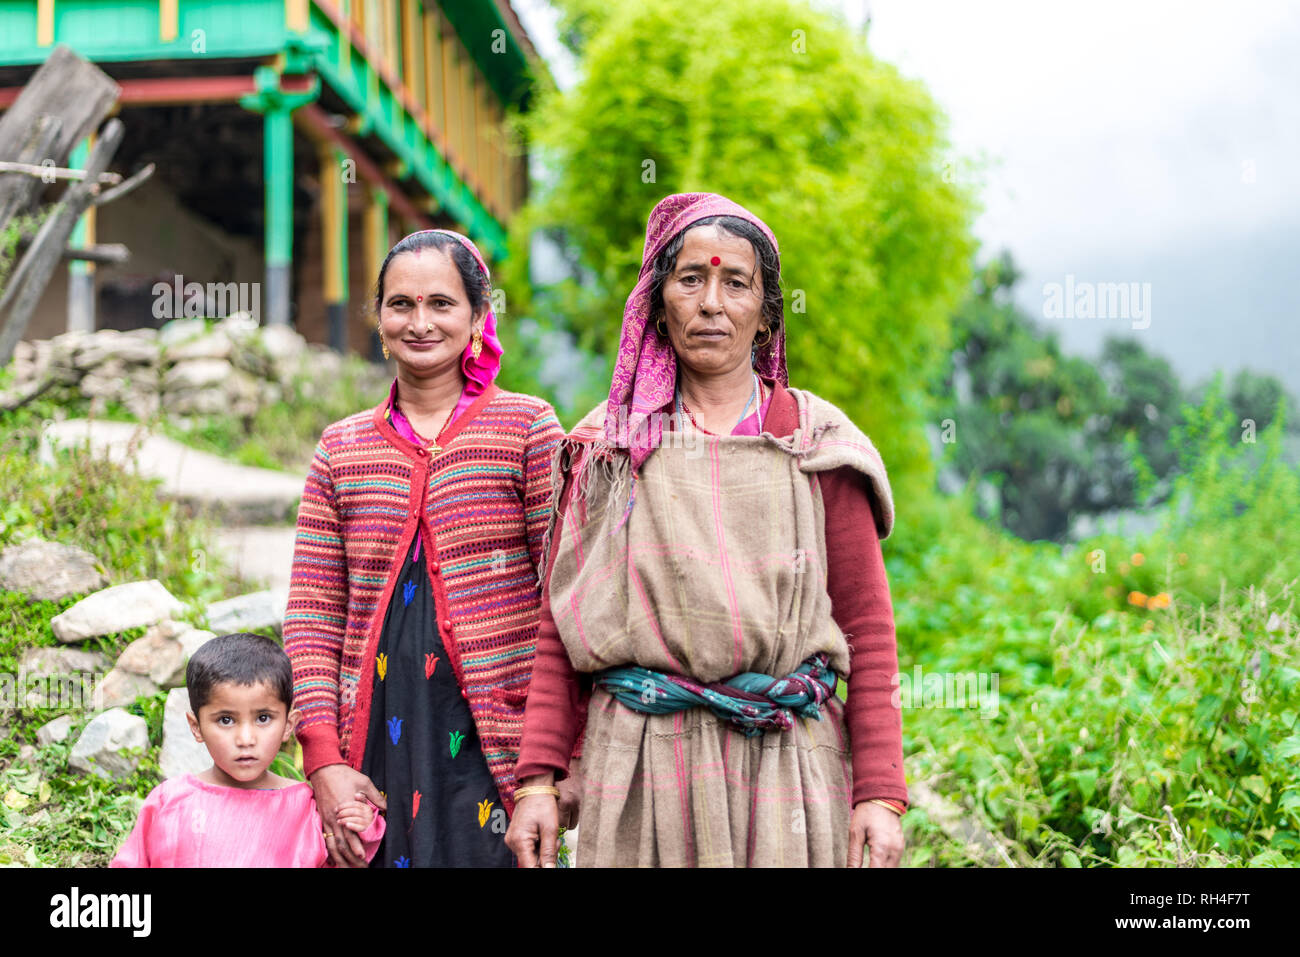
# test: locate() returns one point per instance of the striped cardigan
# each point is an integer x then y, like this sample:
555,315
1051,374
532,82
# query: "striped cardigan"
483,504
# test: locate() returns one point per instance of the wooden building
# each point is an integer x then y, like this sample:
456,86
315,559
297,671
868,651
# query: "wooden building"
295,141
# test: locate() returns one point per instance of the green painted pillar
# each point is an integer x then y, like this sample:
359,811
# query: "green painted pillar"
277,165
277,108
81,274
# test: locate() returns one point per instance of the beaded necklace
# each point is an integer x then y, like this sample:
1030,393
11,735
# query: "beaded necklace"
682,407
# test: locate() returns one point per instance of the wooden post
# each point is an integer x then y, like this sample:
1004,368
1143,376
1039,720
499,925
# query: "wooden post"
433,74
450,90
412,75
376,240
334,243
45,253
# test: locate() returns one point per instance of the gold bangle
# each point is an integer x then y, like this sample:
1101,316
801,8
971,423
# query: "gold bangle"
537,789
884,803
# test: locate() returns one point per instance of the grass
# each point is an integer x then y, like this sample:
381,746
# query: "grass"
1148,688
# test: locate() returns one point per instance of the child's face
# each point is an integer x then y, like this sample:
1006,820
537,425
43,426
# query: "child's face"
242,727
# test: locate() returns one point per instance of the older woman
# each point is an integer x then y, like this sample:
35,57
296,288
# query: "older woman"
706,590
413,607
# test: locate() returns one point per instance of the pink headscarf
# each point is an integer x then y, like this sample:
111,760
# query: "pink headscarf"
645,375
480,372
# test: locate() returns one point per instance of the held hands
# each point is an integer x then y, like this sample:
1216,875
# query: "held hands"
881,830
338,787
356,815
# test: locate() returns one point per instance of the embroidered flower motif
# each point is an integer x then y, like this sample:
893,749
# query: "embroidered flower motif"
484,811
402,862
415,805
408,592
456,739
348,694
381,663
430,663
395,729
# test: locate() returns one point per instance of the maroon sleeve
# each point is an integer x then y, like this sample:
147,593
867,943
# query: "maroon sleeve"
555,712
861,606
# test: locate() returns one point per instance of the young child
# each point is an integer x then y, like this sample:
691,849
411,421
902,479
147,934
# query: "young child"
237,813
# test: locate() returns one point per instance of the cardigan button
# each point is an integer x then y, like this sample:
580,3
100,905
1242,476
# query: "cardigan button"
446,625
422,453
433,567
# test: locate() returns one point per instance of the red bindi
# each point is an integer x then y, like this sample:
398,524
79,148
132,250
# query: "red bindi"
715,260
419,299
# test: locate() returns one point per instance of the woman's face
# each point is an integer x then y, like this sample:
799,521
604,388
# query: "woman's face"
425,315
713,301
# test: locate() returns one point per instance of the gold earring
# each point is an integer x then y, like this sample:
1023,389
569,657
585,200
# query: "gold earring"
764,344
383,343
476,345
659,325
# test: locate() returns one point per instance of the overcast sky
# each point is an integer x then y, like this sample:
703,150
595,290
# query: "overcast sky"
1139,142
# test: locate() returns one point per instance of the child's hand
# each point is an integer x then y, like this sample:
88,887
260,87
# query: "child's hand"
355,815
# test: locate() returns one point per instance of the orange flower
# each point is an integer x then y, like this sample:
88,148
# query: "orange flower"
1159,601
1138,558
1137,598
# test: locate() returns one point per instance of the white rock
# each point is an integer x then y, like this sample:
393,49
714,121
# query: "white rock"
259,609
160,659
244,494
56,730
180,330
61,678
111,745
121,687
214,345
116,609
180,753
238,325
192,640
49,571
197,374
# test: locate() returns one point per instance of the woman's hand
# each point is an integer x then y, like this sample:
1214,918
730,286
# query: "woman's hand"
570,796
881,830
534,832
335,786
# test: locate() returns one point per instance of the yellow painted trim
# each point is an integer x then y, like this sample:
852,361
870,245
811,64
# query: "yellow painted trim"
297,15
332,209
168,21
44,23
345,36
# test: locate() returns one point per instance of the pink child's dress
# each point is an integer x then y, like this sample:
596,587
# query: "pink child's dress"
186,822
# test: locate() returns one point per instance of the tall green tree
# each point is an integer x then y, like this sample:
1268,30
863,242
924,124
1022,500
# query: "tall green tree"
785,110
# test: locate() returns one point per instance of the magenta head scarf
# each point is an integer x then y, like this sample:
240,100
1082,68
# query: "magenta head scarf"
480,372
645,375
